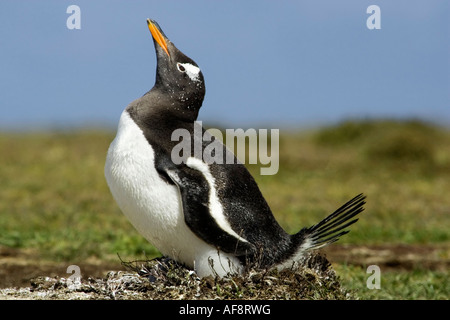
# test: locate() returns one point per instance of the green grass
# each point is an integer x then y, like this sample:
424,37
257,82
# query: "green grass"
407,190
54,198
416,284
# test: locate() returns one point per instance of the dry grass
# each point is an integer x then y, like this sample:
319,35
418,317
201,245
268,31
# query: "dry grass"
164,279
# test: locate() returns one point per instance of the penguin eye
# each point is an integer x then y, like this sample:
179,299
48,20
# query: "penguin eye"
193,72
180,67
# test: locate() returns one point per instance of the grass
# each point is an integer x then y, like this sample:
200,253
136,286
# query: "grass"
407,189
418,284
54,198
314,279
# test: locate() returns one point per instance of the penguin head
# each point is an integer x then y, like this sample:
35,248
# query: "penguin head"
177,75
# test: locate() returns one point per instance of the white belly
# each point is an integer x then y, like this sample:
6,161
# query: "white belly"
152,205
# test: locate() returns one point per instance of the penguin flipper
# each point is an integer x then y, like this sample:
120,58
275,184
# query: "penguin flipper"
195,193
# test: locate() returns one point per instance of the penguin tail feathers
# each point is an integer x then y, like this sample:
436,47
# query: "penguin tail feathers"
331,228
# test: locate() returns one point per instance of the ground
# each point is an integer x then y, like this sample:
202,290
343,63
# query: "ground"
24,276
56,210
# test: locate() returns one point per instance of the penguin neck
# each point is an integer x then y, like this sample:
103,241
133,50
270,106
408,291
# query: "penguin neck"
164,104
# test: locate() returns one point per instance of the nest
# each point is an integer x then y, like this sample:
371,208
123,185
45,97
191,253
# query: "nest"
311,278
165,279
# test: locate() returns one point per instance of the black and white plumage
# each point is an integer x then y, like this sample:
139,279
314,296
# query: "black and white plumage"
196,212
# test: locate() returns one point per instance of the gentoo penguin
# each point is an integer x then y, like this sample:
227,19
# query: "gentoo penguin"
210,217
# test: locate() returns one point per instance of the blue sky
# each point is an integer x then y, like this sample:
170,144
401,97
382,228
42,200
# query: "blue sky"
266,63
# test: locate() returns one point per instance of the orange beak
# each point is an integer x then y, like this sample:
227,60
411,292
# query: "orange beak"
157,35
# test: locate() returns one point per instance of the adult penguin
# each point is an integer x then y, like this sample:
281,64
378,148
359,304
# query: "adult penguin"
211,217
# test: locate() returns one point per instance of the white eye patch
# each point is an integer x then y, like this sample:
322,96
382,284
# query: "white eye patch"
192,71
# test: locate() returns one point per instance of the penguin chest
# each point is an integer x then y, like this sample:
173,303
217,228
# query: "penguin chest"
151,204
